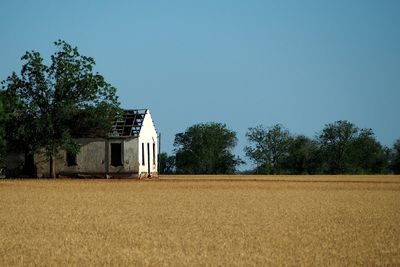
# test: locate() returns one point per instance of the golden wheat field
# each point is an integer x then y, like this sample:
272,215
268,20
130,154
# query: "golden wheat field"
202,220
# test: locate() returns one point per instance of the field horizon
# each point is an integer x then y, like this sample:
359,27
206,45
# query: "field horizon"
201,220
239,177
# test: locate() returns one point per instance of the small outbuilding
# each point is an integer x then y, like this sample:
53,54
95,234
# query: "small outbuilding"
129,151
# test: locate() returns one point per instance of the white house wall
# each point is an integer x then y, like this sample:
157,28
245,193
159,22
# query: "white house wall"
148,135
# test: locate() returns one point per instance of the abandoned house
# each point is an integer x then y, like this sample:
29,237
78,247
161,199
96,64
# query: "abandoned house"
130,151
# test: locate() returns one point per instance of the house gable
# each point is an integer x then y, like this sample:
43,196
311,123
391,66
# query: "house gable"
148,147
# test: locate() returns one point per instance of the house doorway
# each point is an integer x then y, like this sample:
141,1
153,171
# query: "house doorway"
116,154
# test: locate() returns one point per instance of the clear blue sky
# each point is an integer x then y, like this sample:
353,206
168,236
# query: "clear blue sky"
299,63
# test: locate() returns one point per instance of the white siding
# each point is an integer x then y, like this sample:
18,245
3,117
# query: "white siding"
148,137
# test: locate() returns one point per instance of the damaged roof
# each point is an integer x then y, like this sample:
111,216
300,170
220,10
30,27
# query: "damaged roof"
130,123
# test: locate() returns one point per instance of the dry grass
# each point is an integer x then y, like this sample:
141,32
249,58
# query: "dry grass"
196,221
289,178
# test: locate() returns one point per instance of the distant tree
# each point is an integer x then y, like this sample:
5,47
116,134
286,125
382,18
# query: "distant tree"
349,149
303,156
167,163
395,157
53,98
268,148
206,149
336,140
367,155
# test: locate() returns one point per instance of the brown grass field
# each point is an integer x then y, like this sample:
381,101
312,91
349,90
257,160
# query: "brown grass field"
202,220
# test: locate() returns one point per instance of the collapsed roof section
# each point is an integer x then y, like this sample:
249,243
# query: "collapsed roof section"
130,123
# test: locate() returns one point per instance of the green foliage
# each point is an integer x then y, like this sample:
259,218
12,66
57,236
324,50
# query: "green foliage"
269,147
2,129
167,163
303,156
395,157
9,105
50,100
346,149
206,149
336,140
341,148
367,154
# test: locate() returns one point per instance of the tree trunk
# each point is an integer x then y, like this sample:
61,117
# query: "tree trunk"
52,168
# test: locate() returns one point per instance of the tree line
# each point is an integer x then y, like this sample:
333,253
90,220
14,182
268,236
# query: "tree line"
340,148
47,106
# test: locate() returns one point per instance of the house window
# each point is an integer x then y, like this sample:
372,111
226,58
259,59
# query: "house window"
154,153
148,157
71,159
116,154
143,154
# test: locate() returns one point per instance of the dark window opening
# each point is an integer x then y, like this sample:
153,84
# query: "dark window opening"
154,153
148,159
142,153
116,154
71,159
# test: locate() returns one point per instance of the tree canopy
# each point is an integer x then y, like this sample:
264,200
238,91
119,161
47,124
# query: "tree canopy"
303,156
346,148
268,147
50,98
340,148
206,149
335,140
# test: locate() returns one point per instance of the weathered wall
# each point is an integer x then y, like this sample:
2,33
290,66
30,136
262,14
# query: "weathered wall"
15,163
90,159
131,159
95,158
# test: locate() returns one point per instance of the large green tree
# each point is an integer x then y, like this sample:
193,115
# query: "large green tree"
54,100
206,149
268,147
349,149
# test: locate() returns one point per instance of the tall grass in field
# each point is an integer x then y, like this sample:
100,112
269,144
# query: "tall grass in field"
197,221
